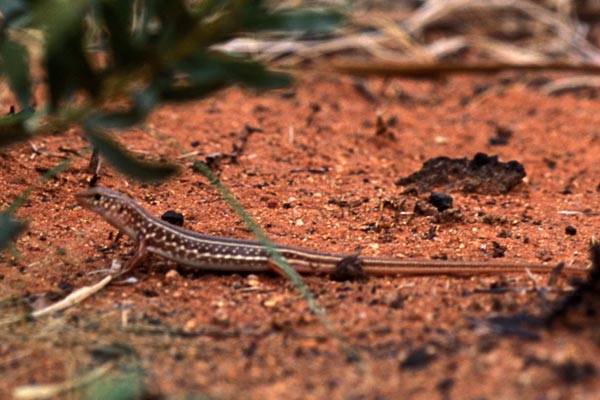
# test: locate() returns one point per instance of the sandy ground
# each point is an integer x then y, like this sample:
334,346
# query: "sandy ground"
319,176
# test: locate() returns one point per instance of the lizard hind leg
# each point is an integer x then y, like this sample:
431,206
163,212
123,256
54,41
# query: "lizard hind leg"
136,260
276,268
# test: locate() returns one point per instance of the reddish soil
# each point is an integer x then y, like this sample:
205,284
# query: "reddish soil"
319,177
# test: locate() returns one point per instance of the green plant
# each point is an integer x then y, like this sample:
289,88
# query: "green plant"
108,63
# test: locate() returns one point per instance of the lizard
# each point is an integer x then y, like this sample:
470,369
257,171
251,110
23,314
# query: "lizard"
196,250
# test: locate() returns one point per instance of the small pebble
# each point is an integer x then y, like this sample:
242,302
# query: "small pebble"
173,217
272,302
149,293
498,141
252,280
66,287
221,317
172,275
190,325
441,201
570,230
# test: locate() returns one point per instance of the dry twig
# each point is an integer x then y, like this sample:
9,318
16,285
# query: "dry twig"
74,298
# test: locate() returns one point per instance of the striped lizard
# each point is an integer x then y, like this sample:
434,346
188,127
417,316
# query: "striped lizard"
152,235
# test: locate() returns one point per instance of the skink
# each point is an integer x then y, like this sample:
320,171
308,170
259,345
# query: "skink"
192,249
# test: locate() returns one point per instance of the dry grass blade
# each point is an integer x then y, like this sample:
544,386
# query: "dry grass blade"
408,68
269,50
572,83
509,53
74,298
52,390
396,34
435,11
549,36
568,37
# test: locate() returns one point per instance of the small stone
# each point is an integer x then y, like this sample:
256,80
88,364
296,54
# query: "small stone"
571,230
66,287
172,275
252,280
272,302
190,325
441,201
221,317
498,250
173,217
149,293
498,141
394,300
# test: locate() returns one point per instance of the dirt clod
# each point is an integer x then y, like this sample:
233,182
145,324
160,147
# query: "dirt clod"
482,174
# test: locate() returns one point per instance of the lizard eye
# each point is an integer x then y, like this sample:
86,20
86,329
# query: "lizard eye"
97,196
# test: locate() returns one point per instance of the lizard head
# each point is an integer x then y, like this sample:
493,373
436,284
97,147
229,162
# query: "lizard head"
116,208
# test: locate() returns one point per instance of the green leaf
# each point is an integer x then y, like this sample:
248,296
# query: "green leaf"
220,69
12,129
126,383
208,72
14,12
308,22
208,8
175,22
115,154
117,16
68,71
143,103
300,21
14,62
182,93
66,63
9,229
